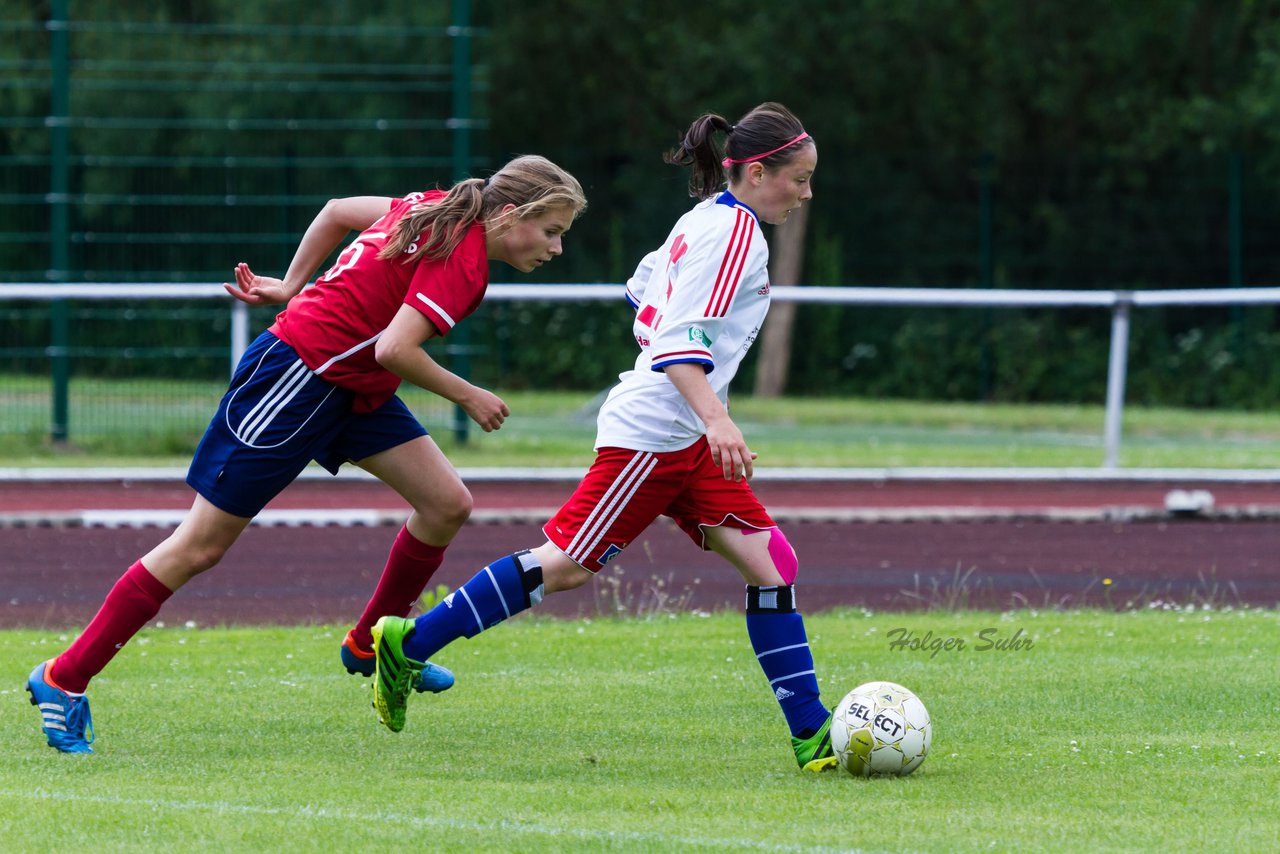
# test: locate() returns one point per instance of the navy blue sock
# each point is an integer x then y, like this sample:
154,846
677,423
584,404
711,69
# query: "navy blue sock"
502,589
782,648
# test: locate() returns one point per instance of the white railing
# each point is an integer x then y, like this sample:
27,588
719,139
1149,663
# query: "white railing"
1119,303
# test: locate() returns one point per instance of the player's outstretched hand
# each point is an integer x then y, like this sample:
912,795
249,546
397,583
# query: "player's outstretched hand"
486,409
257,290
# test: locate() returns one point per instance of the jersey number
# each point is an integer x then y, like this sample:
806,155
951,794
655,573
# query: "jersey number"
349,256
678,248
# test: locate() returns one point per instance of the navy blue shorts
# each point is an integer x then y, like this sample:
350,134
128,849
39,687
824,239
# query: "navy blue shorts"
276,417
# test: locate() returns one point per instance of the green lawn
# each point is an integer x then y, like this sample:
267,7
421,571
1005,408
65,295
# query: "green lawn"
159,423
1152,730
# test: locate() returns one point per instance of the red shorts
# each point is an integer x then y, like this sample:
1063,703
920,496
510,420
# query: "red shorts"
626,490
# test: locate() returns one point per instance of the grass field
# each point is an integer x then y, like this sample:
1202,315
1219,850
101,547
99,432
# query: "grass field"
159,423
1153,730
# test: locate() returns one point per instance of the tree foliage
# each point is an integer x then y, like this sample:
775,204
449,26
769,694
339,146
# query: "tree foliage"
962,142
1106,124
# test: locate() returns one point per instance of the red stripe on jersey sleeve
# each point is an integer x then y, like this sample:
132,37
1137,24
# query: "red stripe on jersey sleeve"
737,275
702,355
725,263
731,266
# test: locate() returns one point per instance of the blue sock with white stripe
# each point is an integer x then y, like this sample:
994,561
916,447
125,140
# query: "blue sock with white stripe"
502,589
782,648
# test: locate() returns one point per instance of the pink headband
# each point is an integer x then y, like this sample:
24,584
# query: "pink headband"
729,161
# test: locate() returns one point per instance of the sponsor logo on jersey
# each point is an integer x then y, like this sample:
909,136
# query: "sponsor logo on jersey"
699,336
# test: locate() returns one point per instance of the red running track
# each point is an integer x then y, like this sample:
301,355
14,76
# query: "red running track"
1010,551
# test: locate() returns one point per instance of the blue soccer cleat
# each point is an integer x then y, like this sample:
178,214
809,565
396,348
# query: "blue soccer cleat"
65,717
357,661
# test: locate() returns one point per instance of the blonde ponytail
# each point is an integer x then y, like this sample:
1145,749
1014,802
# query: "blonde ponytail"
531,183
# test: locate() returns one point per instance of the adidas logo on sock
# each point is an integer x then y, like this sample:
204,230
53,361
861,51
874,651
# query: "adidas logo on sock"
783,693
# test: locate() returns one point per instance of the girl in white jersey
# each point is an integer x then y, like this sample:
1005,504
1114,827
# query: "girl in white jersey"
320,385
665,443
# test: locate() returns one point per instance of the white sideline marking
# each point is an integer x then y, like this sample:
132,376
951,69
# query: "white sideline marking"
506,827
339,517
1086,474
352,517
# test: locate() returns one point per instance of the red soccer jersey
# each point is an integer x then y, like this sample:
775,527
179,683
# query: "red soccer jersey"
334,323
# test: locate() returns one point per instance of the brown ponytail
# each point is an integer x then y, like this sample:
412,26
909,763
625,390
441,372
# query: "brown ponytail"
769,134
698,150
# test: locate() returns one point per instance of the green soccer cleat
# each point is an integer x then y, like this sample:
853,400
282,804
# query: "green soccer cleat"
394,675
358,662
814,753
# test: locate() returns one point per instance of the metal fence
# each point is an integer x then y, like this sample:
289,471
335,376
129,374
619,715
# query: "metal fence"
131,144
1119,304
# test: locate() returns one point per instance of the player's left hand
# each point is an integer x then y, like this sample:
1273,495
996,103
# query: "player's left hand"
255,289
729,450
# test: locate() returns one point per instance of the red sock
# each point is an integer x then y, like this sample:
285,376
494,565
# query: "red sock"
134,600
409,567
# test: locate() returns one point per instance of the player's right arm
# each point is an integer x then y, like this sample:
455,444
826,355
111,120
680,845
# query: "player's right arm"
399,350
336,220
637,284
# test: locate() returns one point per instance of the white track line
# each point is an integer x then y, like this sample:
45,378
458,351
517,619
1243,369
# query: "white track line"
359,517
166,473
337,517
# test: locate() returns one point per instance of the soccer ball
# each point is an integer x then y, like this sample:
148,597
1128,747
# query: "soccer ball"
880,728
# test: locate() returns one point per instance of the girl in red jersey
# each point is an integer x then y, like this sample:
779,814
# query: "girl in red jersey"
665,444
320,385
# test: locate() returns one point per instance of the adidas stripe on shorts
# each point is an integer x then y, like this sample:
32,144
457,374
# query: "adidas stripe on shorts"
276,417
626,490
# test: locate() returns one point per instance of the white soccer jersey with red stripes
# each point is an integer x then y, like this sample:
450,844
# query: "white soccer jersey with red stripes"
700,298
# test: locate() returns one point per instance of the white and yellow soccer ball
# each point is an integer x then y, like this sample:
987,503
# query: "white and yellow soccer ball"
880,728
